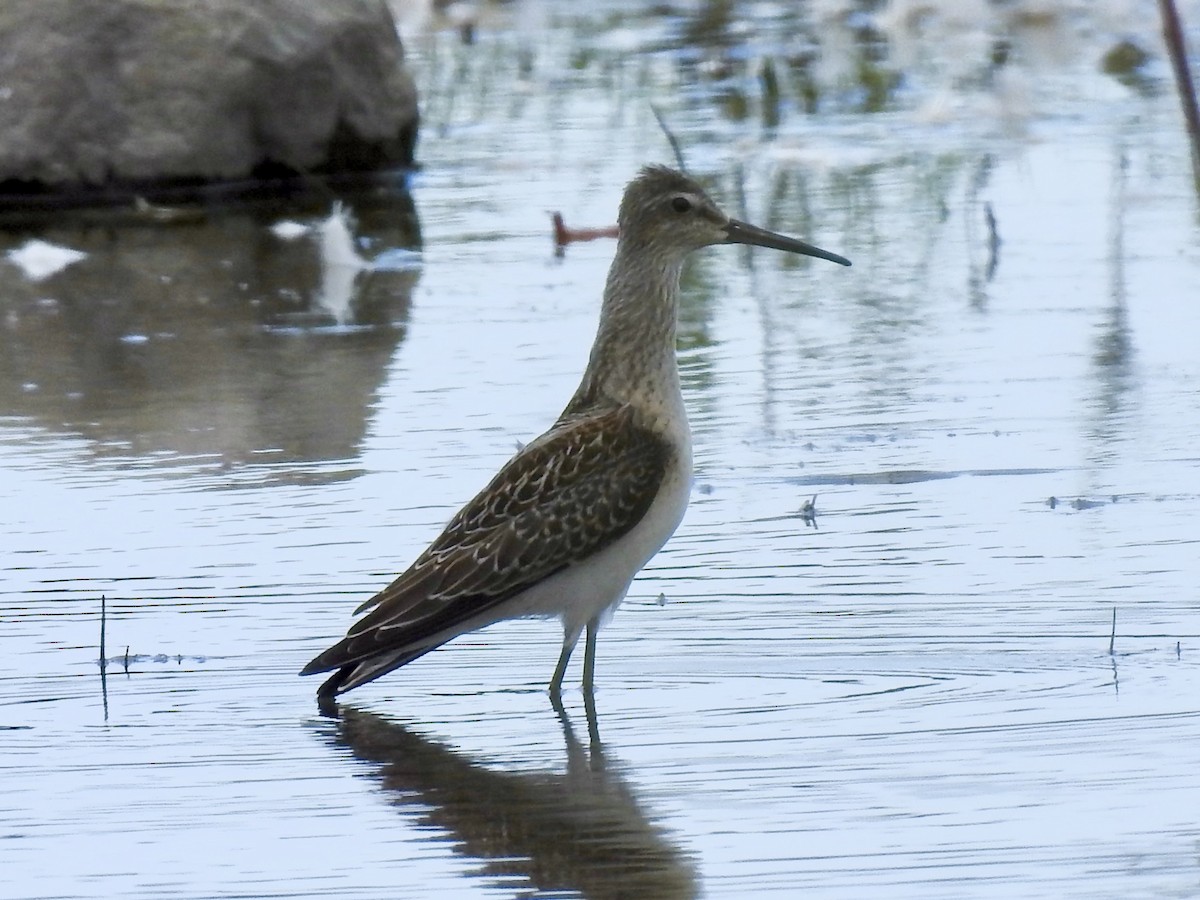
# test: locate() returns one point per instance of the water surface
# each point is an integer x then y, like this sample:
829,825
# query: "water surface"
237,429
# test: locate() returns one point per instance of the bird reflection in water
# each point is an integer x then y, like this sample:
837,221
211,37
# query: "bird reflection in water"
581,831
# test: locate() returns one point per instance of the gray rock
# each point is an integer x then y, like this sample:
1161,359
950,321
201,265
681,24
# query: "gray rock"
103,92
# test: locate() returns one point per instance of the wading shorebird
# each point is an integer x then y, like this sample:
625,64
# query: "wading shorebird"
570,520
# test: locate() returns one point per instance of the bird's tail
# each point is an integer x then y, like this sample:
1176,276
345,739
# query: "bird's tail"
361,671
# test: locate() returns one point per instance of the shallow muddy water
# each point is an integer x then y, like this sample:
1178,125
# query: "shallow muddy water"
235,430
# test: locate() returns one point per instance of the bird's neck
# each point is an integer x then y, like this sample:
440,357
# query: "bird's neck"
633,357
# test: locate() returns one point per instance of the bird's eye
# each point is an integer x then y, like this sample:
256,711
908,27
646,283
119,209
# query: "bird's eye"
681,204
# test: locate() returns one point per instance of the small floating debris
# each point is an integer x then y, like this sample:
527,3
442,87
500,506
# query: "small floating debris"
397,259
1123,59
1082,503
808,512
38,260
289,230
146,211
126,659
307,324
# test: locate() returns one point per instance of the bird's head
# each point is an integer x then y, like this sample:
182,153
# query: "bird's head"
667,212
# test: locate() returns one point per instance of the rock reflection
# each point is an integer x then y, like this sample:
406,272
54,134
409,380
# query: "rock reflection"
223,336
581,831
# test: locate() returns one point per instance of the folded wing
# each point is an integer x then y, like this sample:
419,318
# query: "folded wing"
563,497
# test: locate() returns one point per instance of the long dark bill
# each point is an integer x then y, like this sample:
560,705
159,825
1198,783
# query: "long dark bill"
744,233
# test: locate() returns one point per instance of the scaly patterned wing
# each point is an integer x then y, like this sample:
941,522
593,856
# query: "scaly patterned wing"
570,493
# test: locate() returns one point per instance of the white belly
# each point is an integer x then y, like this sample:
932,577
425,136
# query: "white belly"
597,585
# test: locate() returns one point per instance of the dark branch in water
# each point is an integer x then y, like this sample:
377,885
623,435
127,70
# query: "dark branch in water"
1177,51
103,654
103,620
993,243
1113,638
671,139
564,235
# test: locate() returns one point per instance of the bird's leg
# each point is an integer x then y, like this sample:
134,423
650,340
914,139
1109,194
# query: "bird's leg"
589,655
560,670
